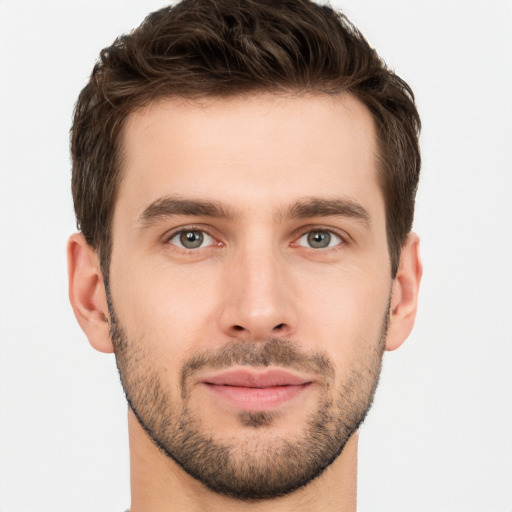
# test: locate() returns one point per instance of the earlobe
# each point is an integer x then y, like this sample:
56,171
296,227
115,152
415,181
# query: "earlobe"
404,297
87,293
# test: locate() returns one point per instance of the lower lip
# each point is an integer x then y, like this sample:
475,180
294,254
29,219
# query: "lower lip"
257,399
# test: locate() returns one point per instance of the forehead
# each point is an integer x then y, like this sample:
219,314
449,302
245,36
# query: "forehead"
250,151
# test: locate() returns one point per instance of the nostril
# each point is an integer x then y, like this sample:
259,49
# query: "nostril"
238,328
279,327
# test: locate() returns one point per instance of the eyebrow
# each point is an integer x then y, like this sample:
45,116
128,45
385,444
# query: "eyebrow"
305,208
169,206
317,207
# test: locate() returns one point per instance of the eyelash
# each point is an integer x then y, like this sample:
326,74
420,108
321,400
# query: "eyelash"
303,232
331,232
187,229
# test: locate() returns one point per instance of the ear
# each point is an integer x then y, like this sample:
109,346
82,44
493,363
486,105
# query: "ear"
87,293
404,296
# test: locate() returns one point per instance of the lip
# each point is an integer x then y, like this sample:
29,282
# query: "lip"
255,379
256,390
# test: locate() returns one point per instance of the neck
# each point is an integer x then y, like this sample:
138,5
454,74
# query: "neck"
158,484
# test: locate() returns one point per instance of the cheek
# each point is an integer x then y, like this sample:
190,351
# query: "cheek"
169,308
345,314
176,308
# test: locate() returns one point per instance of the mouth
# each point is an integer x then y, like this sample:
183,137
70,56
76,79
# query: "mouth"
253,390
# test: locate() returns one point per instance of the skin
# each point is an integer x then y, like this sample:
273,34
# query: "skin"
256,278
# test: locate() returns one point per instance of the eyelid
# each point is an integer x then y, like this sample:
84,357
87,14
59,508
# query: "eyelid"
299,233
169,235
304,230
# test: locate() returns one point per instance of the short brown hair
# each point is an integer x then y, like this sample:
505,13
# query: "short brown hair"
215,48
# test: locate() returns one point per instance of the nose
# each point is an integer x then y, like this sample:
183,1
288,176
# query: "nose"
258,299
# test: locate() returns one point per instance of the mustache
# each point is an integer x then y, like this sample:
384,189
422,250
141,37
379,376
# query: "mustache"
275,351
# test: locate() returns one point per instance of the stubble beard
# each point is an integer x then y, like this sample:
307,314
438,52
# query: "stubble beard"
264,466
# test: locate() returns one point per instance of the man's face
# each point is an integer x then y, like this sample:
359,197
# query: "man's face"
250,284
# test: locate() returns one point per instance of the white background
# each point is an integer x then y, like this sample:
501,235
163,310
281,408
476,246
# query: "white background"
440,435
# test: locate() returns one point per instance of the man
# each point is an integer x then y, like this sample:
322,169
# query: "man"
244,177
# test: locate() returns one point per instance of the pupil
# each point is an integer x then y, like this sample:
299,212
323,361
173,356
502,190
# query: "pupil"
319,239
191,239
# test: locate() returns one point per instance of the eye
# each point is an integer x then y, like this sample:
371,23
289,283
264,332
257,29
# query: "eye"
319,239
191,239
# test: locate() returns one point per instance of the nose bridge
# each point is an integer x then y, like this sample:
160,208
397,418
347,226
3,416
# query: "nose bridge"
258,303
261,279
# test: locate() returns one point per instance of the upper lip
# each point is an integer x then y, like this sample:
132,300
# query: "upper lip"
251,378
